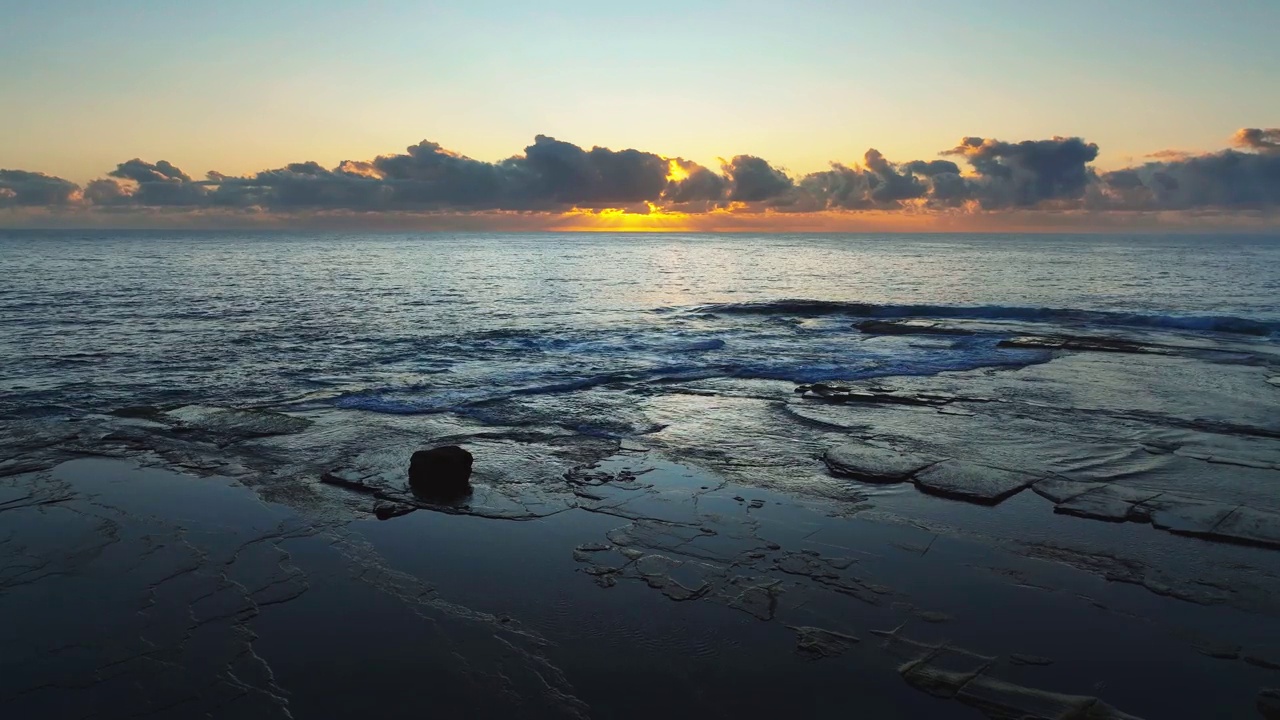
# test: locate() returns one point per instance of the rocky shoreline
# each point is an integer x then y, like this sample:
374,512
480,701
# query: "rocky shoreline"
877,535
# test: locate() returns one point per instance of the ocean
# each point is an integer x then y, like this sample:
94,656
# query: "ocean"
422,323
757,461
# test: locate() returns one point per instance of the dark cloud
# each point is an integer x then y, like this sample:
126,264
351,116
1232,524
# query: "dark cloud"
1267,140
890,186
1030,172
949,189
156,185
429,176
751,179
33,189
1123,179
565,174
841,187
551,175
106,193
144,172
298,186
881,184
555,176
932,167
626,176
1226,180
699,185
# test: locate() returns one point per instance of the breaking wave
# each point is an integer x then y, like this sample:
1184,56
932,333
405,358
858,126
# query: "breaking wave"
1196,323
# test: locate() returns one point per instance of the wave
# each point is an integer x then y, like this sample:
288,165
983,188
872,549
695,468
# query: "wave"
489,401
1198,323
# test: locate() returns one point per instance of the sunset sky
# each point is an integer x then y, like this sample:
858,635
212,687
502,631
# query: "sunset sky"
238,87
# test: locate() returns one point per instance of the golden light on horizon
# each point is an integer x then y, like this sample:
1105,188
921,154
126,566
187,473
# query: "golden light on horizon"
656,219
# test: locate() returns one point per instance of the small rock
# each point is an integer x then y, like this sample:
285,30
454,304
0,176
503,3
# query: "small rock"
933,616
1262,662
443,472
1019,659
757,597
1220,652
386,512
347,480
816,643
1269,703
1114,503
1186,516
1060,491
870,463
999,699
941,671
1247,525
962,480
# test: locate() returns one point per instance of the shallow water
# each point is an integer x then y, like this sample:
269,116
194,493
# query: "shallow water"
223,606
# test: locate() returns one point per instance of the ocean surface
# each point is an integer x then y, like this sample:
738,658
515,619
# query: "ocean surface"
420,323
717,476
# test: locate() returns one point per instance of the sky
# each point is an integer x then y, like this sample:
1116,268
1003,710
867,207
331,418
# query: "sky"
238,87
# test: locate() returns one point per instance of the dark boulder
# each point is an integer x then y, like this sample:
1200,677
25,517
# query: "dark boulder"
443,472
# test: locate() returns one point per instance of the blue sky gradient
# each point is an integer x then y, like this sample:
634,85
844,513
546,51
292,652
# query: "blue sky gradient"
240,85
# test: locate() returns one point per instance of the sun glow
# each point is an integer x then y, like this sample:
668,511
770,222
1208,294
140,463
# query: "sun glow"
675,173
654,219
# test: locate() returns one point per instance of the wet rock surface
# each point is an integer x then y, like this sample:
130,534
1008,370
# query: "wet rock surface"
814,536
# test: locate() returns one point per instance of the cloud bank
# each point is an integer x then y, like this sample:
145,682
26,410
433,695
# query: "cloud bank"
978,175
